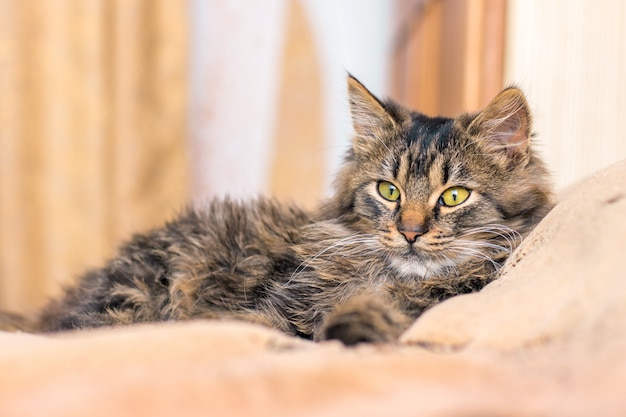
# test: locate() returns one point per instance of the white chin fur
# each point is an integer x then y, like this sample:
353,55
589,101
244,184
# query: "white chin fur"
412,267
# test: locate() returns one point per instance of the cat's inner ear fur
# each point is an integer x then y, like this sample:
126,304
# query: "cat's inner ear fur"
504,127
370,118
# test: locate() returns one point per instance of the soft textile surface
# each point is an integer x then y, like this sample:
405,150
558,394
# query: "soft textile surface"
547,339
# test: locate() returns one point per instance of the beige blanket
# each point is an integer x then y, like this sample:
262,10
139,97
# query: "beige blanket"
547,339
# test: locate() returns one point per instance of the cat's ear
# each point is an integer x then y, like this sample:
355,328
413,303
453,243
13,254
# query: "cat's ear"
370,118
504,127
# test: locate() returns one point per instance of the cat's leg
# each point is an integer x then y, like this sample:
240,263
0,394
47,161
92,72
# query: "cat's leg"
365,318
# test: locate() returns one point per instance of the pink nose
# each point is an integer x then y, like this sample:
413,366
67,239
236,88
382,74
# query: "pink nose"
412,235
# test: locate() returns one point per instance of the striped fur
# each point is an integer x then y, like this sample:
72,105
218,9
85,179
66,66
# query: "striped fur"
347,270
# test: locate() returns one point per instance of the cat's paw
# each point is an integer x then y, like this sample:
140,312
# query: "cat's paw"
364,319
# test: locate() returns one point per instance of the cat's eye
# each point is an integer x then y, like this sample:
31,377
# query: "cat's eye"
388,191
454,196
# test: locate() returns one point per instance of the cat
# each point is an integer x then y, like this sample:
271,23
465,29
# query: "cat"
423,209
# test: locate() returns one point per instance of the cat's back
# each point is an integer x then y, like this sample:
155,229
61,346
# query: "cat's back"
234,227
211,253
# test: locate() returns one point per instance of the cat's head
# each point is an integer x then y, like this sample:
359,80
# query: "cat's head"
433,193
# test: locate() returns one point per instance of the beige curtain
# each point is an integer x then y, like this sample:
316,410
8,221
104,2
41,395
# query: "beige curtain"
570,57
92,132
448,54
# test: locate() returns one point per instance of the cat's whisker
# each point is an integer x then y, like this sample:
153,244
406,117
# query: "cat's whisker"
480,248
512,237
475,253
446,261
499,229
359,245
476,244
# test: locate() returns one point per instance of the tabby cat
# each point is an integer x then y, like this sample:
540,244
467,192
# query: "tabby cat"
424,209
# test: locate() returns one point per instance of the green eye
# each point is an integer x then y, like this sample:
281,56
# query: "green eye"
388,191
454,196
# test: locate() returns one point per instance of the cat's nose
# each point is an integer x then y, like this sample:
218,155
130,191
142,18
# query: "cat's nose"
413,233
413,222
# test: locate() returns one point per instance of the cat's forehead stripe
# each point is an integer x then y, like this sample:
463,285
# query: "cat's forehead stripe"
439,171
395,171
425,140
426,130
446,172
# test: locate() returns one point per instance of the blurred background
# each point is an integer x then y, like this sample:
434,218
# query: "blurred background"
114,114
